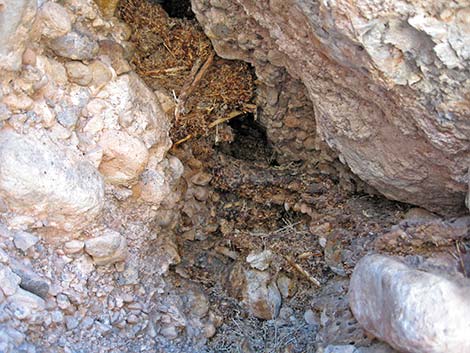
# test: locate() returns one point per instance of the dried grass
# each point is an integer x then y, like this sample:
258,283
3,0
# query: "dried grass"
170,54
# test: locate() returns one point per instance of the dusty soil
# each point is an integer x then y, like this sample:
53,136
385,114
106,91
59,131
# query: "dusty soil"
316,228
252,198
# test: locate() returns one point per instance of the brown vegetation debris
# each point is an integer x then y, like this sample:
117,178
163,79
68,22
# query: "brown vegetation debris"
175,55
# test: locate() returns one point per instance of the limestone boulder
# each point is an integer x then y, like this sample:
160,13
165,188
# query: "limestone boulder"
38,179
26,305
127,104
412,310
257,290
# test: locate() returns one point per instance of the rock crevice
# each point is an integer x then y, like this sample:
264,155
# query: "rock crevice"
387,81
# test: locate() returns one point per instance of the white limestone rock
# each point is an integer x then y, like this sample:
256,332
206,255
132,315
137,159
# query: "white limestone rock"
26,305
16,18
260,260
126,103
124,157
38,179
9,281
78,73
24,240
53,20
108,248
73,246
412,310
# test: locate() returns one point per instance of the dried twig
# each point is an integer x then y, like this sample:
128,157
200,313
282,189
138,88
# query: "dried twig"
164,71
183,140
194,78
230,116
215,123
303,272
462,264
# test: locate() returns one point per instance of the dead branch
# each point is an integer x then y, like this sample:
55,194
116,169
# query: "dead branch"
194,78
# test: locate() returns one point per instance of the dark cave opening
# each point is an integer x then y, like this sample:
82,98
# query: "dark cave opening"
250,141
177,8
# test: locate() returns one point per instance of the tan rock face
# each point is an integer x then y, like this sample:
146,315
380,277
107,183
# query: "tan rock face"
258,291
38,179
79,73
16,18
108,248
387,81
53,20
125,157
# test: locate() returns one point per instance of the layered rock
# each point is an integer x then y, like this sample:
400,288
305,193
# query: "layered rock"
388,83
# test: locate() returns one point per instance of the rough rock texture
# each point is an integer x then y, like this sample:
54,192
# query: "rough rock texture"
124,157
388,83
37,179
107,248
16,18
412,310
89,197
53,20
258,291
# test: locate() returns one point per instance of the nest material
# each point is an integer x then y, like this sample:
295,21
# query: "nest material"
175,55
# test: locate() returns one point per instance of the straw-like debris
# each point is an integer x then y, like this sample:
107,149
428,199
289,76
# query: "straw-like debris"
175,55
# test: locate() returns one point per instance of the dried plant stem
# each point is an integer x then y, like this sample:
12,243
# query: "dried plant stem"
194,78
303,272
164,71
215,123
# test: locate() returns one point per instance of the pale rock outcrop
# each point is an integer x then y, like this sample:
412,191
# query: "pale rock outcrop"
24,240
412,310
388,82
124,157
26,305
53,20
108,248
9,281
260,260
16,18
74,246
125,103
262,295
38,179
79,73
159,179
